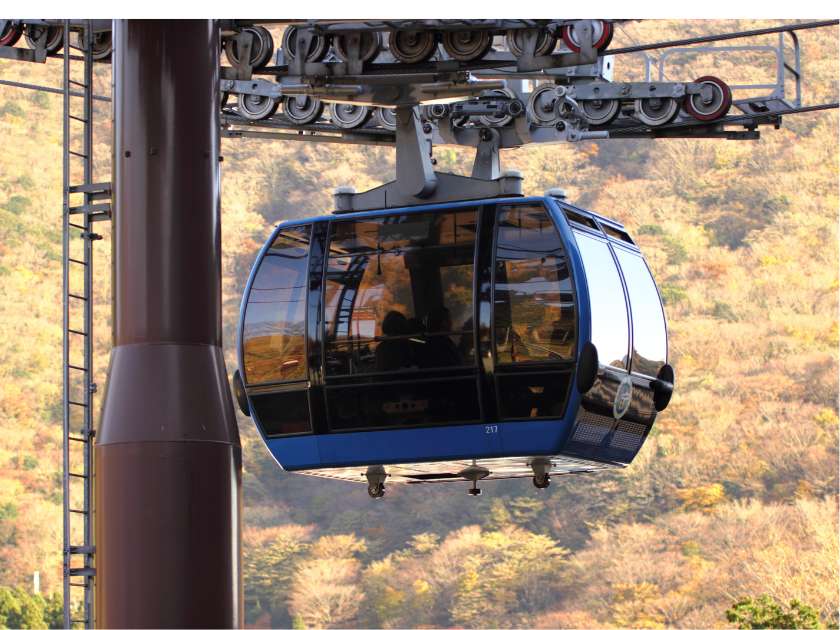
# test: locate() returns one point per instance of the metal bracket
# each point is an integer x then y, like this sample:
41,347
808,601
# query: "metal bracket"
418,183
414,156
604,90
486,164
37,55
244,41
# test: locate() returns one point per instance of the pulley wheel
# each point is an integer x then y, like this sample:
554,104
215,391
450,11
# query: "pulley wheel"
542,482
262,46
51,37
319,44
602,33
100,46
256,107
386,118
601,111
412,46
656,111
503,117
369,44
516,38
435,111
709,109
467,45
302,110
349,116
541,109
11,33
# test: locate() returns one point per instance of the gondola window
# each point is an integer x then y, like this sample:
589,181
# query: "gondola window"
399,293
650,345
608,310
275,316
534,305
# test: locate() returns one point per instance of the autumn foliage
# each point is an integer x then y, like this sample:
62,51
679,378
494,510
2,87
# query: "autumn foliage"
730,506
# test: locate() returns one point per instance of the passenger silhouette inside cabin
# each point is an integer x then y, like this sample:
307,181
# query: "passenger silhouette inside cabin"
439,350
394,352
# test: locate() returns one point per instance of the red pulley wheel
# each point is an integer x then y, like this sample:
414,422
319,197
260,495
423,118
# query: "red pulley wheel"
603,39
721,101
11,34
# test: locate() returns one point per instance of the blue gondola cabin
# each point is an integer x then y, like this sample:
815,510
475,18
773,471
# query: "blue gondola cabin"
495,338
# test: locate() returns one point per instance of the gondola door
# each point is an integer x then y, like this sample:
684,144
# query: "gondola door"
533,325
398,321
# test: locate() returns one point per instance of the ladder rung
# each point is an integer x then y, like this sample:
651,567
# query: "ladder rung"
77,226
78,404
73,438
78,262
91,188
85,571
99,195
78,297
77,47
77,475
79,83
75,511
84,621
81,120
77,154
80,585
77,367
77,332
90,208
83,549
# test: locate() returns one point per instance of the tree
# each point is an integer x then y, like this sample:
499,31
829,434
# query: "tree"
325,588
325,593
269,558
767,612
19,609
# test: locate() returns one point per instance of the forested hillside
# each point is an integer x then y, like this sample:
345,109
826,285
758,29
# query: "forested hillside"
735,494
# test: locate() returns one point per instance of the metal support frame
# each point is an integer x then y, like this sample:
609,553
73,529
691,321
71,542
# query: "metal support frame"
783,68
417,182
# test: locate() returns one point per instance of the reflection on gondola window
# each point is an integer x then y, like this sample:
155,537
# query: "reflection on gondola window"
608,310
650,342
399,293
534,312
275,316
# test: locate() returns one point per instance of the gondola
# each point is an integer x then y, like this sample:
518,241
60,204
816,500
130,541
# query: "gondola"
471,340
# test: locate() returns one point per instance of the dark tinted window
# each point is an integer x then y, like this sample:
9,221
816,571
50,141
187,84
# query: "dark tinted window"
650,344
282,413
610,327
534,313
273,335
617,234
406,403
399,293
580,219
538,395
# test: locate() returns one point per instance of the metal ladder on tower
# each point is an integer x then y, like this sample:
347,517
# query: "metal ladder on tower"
84,203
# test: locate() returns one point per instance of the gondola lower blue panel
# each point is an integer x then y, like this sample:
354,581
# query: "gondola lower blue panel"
480,339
